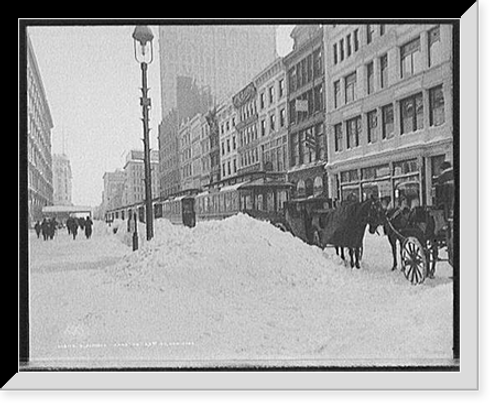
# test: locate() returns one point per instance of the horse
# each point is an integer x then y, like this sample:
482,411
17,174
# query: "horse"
416,222
344,227
396,221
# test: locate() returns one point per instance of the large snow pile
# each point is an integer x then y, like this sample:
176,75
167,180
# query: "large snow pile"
237,248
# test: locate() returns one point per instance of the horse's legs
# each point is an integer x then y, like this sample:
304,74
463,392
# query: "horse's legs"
401,255
394,249
434,254
342,252
357,252
351,256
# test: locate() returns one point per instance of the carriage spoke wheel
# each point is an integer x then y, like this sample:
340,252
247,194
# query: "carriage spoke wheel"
414,260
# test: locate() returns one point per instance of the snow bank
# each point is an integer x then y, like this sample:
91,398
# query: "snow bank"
238,246
232,290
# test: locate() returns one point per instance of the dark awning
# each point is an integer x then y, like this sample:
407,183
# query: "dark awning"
265,184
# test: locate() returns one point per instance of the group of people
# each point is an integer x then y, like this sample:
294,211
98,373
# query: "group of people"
47,228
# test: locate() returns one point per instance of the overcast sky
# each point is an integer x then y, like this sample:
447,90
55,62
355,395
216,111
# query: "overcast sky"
92,83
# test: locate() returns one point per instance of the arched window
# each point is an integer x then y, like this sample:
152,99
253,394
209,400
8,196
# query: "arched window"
318,185
301,188
309,187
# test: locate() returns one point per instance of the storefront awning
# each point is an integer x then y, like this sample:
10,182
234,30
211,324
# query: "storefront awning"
66,209
265,184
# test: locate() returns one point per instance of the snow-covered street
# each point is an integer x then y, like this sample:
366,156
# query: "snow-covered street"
231,292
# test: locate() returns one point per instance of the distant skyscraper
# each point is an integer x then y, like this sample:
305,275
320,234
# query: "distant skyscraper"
221,57
201,65
61,173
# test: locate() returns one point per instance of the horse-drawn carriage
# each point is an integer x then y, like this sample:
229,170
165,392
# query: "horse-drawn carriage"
422,231
316,222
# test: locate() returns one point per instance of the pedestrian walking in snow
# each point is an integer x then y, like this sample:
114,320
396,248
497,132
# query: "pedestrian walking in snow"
52,228
88,227
73,227
45,229
38,229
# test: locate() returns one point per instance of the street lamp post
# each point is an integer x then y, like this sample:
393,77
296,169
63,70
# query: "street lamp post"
143,47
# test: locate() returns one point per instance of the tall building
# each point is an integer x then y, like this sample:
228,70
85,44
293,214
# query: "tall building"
134,190
221,57
306,112
201,66
389,109
61,173
261,121
114,185
40,189
228,138
168,148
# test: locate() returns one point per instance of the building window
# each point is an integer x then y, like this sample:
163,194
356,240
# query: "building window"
263,127
434,46
370,30
436,104
294,148
369,78
371,118
337,130
282,118
383,71
350,87
412,114
356,40
410,58
292,79
272,122
317,63
336,93
335,57
353,132
348,44
291,112
281,88
318,98
234,142
262,100
387,122
271,94
341,49
382,29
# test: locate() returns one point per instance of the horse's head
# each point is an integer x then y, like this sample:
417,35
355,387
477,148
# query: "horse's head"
376,215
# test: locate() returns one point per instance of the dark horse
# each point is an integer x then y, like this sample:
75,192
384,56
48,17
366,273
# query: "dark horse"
396,222
401,223
344,227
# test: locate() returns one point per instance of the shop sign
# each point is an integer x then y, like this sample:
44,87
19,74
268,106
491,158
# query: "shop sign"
244,95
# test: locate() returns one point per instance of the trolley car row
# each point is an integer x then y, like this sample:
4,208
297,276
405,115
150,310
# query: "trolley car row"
262,198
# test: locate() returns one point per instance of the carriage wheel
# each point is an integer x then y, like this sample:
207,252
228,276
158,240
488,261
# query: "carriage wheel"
415,262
